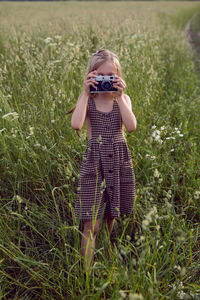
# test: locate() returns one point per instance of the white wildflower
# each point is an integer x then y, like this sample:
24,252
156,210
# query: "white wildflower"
135,296
156,174
52,44
37,145
145,223
197,195
157,227
12,114
122,294
153,127
48,40
17,198
31,129
128,237
155,133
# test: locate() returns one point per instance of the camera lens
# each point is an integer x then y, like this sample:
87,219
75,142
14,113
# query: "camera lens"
106,85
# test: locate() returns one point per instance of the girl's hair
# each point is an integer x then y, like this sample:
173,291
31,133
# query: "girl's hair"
98,59
102,56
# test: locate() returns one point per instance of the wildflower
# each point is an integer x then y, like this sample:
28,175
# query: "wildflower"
156,174
37,145
17,198
48,40
157,227
183,271
156,136
153,127
168,194
31,129
13,114
52,44
134,296
122,294
197,195
128,237
145,224
156,133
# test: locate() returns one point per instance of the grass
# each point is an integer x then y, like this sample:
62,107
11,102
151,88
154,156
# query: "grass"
44,51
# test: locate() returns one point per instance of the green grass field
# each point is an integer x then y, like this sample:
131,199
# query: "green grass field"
44,50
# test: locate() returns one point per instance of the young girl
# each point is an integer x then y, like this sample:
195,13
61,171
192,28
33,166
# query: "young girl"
107,182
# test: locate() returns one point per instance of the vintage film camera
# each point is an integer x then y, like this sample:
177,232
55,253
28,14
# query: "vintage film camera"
105,84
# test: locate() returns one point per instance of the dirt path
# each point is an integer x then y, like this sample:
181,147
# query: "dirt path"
192,32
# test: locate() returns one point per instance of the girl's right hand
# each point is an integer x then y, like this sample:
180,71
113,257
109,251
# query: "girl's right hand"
88,81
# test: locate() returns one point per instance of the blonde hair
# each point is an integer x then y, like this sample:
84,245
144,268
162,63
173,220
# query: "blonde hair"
102,56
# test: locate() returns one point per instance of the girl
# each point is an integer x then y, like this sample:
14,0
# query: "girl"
107,182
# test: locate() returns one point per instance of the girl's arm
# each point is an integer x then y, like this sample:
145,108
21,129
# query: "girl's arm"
125,106
127,115
79,114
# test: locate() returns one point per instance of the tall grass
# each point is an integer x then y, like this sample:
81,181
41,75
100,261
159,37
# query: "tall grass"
154,255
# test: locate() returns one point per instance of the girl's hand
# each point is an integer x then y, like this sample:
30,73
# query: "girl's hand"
88,81
120,85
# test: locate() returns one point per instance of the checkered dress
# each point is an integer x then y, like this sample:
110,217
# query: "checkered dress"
107,182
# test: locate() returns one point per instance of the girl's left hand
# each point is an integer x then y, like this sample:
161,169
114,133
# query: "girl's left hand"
120,85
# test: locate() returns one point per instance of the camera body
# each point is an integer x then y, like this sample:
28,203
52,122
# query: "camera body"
105,84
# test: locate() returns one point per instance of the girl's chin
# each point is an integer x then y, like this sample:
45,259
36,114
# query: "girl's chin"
106,94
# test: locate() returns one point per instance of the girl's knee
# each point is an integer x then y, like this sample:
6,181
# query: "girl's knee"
90,226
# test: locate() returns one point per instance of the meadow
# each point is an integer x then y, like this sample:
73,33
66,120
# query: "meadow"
44,50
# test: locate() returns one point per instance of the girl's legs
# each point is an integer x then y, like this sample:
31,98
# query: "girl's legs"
89,237
110,223
88,241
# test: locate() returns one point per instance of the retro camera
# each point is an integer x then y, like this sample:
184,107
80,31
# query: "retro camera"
105,84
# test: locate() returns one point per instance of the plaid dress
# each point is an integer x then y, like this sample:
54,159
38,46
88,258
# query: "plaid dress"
107,182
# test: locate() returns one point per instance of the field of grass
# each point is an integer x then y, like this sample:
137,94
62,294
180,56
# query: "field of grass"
44,50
